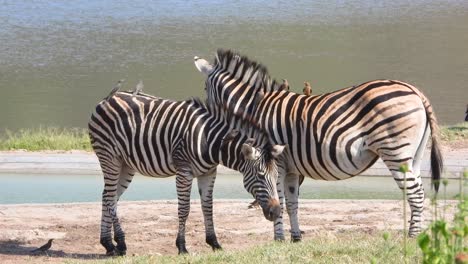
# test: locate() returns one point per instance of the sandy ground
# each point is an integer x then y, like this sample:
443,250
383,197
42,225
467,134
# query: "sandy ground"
151,226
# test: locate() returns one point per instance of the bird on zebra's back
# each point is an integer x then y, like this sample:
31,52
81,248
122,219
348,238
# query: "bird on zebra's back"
188,139
115,89
307,90
333,136
285,85
44,247
138,88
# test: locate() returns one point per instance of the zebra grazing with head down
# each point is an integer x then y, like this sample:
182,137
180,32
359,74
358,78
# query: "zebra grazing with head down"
332,136
159,138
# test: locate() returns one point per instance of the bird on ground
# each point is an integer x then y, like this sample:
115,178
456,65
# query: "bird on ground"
307,89
116,88
44,247
138,88
284,86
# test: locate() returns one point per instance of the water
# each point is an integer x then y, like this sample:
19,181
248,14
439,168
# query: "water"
88,188
58,58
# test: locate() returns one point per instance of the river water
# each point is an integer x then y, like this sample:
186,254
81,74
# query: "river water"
58,58
19,188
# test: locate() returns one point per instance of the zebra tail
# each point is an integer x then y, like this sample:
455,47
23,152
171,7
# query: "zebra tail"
437,163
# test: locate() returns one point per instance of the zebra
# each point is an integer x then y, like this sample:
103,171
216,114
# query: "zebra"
333,136
159,137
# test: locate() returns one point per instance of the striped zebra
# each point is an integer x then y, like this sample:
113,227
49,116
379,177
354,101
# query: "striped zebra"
333,136
159,138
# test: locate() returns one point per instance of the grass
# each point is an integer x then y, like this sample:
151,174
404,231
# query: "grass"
348,247
454,133
77,138
46,139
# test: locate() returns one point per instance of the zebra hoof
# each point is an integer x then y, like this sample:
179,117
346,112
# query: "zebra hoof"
183,251
109,246
120,253
280,238
213,242
296,240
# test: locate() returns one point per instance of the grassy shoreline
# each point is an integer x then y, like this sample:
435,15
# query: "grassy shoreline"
53,138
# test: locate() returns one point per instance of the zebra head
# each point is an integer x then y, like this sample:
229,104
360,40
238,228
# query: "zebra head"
260,172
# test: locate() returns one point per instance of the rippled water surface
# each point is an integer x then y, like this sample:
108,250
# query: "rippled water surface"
58,58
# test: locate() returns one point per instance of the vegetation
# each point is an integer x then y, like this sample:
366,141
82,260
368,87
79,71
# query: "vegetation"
46,139
455,132
445,241
77,138
347,247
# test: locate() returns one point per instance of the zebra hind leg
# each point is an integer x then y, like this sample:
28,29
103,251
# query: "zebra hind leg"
109,202
205,189
415,198
126,176
184,180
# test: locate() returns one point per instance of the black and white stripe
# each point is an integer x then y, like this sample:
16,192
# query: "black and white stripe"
159,138
331,136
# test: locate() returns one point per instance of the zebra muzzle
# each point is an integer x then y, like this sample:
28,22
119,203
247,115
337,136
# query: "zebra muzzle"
272,210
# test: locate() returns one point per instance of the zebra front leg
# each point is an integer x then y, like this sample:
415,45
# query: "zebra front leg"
278,223
205,189
184,180
292,194
415,198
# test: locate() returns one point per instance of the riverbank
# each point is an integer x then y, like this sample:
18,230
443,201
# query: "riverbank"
151,226
82,162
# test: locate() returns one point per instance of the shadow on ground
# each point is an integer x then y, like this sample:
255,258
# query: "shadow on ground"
15,247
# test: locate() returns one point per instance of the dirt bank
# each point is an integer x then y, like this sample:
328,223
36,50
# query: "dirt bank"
151,226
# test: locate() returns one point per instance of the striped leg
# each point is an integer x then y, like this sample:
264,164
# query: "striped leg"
292,194
111,170
126,176
184,180
205,189
415,197
278,223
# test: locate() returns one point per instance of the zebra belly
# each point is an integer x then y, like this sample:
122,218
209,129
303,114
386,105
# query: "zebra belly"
334,165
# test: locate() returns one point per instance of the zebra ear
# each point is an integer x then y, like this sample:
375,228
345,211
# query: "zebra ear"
203,65
249,151
277,150
250,141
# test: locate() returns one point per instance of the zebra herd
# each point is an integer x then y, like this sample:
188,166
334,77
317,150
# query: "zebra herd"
269,134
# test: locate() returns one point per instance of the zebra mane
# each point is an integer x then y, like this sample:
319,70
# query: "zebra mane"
237,121
232,61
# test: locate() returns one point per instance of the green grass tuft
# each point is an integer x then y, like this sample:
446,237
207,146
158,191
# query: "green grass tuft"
46,139
455,132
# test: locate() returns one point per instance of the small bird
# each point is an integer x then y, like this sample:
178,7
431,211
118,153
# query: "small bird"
43,248
307,89
116,88
466,112
138,88
284,86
